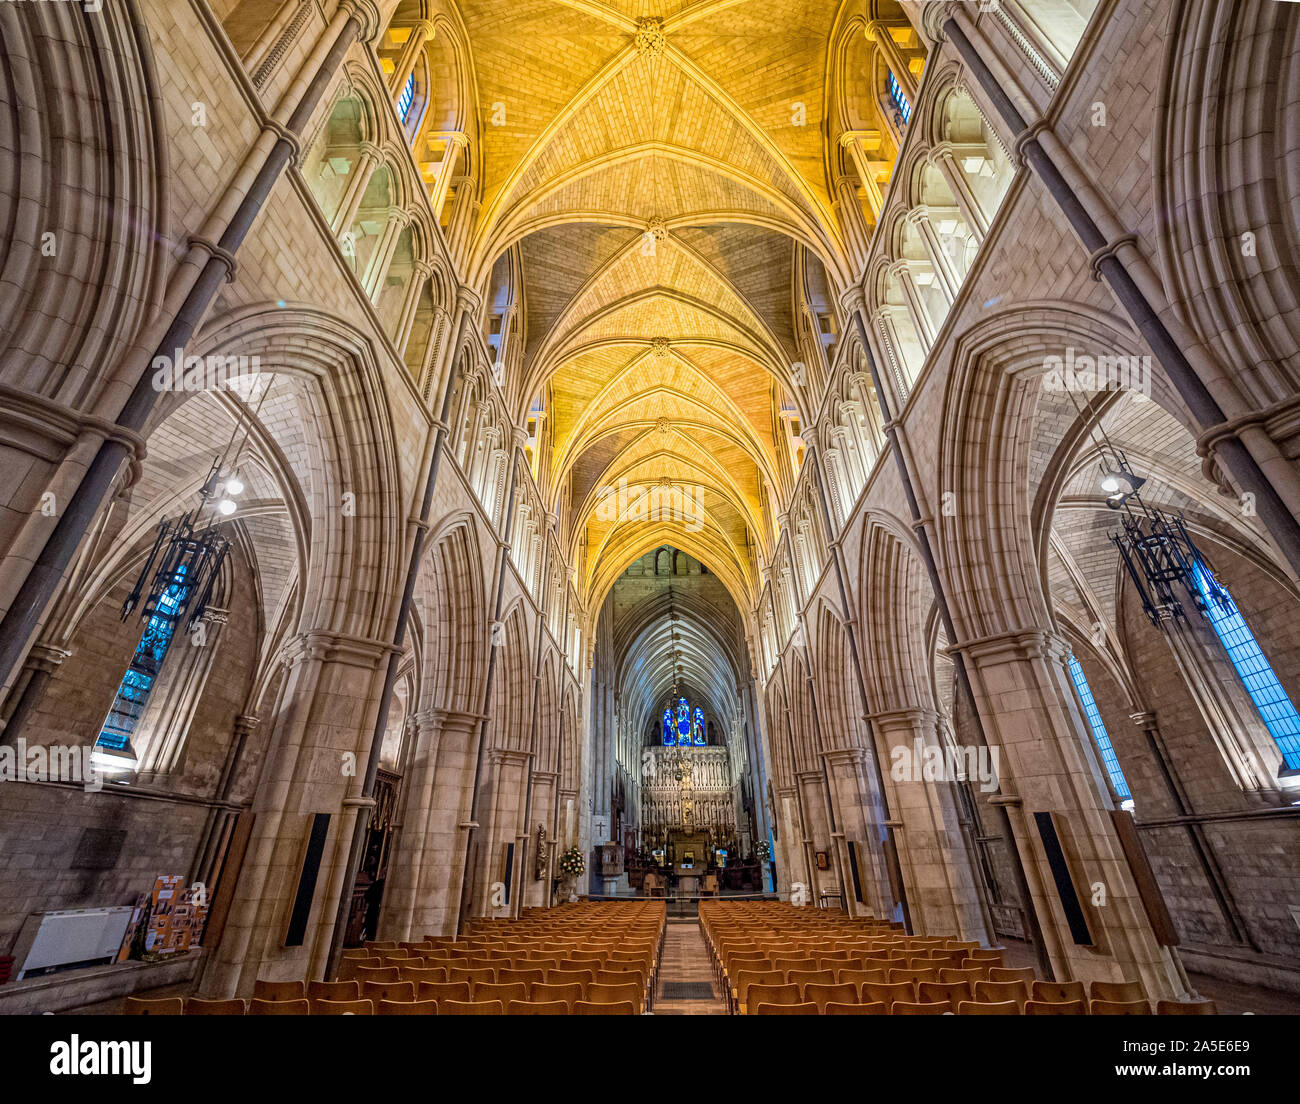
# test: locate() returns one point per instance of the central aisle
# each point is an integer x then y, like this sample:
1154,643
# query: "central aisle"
685,986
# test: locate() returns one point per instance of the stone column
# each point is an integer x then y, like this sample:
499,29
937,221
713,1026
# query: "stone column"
948,279
421,33
314,763
856,235
1046,764
932,850
413,834
453,142
369,158
860,144
877,31
442,858
943,158
377,268
858,814
420,273
925,326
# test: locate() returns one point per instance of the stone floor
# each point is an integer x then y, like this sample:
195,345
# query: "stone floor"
686,973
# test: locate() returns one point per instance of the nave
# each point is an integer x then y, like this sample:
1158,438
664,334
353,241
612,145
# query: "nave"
516,507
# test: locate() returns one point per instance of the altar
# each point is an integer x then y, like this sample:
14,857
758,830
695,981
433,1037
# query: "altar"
688,881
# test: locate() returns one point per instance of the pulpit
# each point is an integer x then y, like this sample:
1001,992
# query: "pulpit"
609,866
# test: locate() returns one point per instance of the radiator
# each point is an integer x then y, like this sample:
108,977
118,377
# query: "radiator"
68,936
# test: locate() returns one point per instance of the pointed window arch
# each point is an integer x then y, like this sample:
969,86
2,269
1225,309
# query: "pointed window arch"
1099,734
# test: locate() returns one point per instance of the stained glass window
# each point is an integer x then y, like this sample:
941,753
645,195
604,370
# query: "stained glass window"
1108,757
697,729
670,730
407,99
142,672
900,101
1274,706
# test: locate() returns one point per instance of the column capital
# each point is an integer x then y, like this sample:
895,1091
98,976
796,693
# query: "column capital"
468,300
46,657
1016,644
853,298
366,13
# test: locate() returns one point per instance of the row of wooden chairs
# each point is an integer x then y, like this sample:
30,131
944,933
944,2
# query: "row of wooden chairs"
175,1006
776,959
625,987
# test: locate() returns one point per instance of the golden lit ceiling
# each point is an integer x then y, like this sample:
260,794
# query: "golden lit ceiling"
656,189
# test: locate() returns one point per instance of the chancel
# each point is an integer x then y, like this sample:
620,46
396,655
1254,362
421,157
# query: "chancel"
604,507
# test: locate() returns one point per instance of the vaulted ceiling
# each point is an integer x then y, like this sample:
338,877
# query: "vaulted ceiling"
656,185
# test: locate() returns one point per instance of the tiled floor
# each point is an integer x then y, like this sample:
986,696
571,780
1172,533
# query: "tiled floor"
685,961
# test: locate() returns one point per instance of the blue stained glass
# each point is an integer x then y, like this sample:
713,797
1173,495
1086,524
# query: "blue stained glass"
670,735
1108,757
697,729
900,100
138,681
683,723
1256,673
407,99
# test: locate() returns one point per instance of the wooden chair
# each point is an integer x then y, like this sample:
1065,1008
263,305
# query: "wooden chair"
261,1007
785,965
888,993
333,990
1056,1008
804,1008
342,1007
537,1008
607,993
1119,1008
822,994
865,1008
495,990
197,1006
604,1008
349,966
388,990
914,976
364,974
1058,991
993,958
747,978
1186,1008
456,973
417,974
376,945
1115,991
1003,973
470,1008
926,1008
810,977
569,992
995,992
951,991
856,976
407,1008
278,990
970,976
570,977
988,1008
515,973
153,1006
770,994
